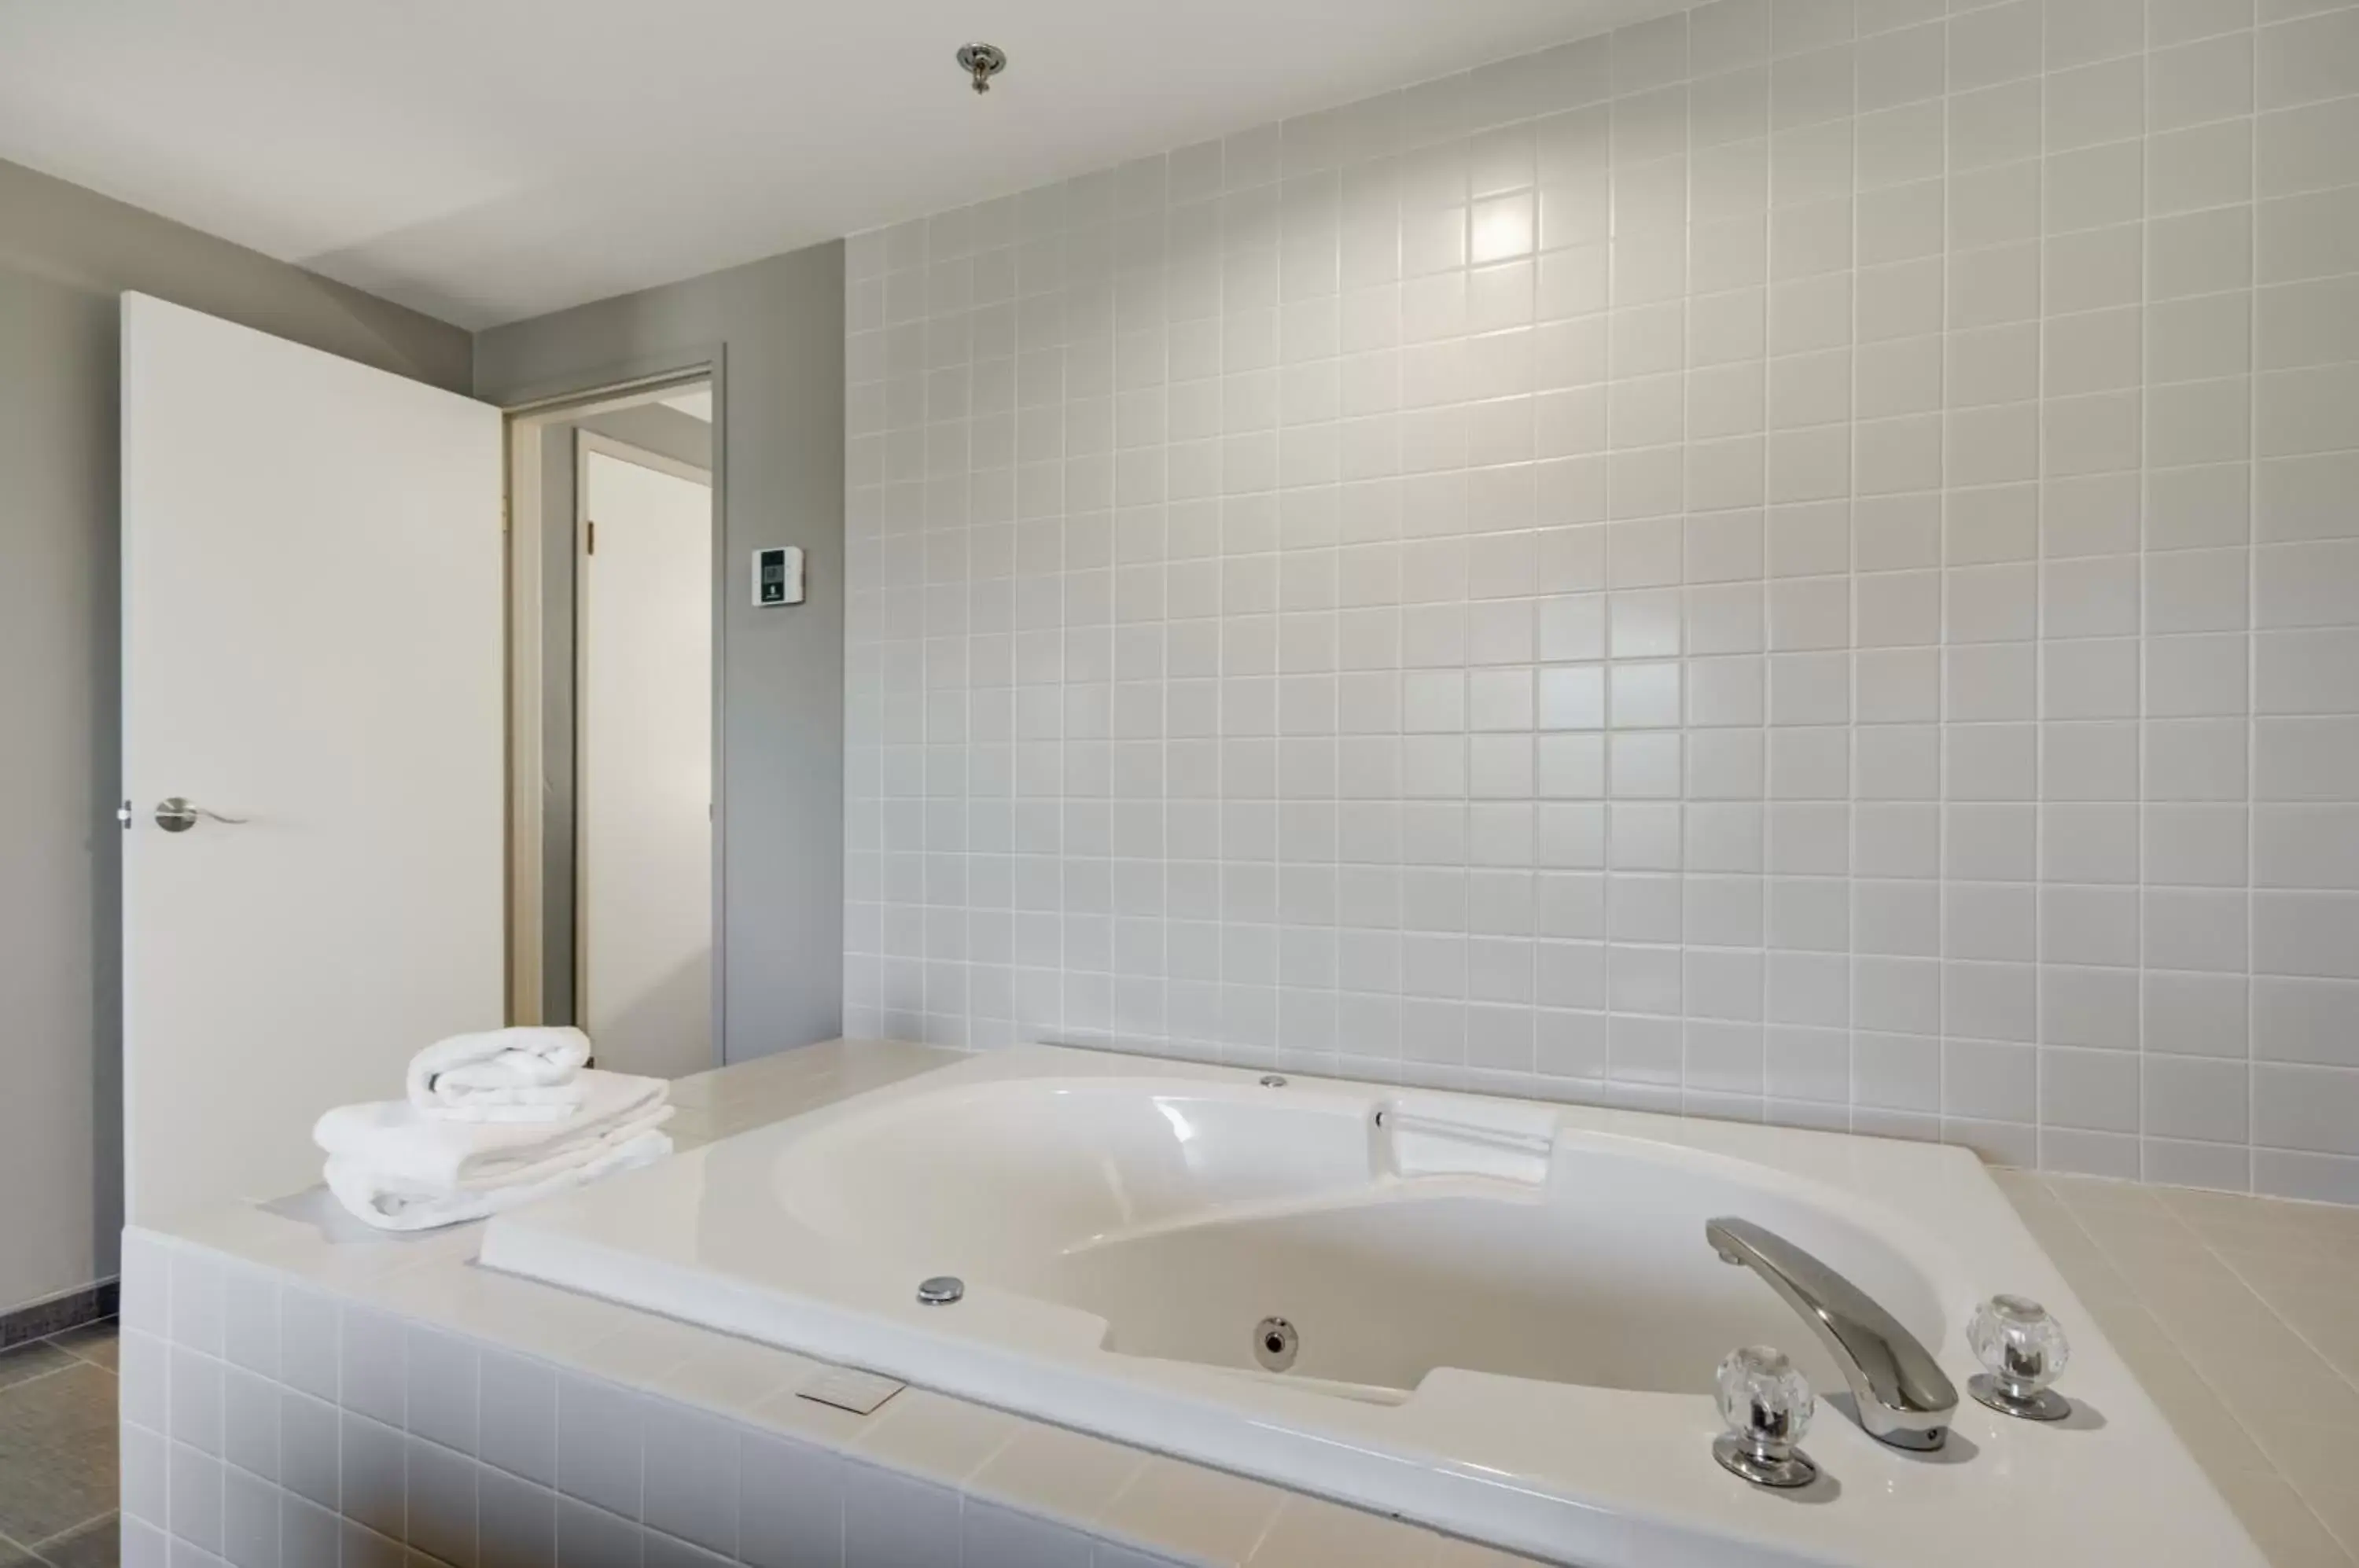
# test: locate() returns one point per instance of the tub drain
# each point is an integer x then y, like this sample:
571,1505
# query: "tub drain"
1275,1343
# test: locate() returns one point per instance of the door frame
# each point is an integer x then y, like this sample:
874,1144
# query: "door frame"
528,420
586,442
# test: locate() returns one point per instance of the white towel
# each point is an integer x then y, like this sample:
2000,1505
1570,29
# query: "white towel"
401,1146
501,1075
369,1199
491,1092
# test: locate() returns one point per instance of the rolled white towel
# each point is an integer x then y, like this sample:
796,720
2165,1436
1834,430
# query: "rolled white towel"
501,1075
402,1147
515,1086
370,1198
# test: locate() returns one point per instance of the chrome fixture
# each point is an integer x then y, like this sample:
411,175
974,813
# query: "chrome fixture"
1903,1398
2024,1349
1767,1405
174,814
940,1290
981,62
1273,1081
1275,1343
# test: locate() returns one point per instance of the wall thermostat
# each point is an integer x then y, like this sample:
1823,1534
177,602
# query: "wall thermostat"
778,575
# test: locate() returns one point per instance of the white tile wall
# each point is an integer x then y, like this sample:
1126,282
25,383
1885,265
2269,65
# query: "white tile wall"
1800,559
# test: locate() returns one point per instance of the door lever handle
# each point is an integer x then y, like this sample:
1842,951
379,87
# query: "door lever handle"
175,814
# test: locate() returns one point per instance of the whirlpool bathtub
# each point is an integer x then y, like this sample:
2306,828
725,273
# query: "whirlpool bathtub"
1497,1317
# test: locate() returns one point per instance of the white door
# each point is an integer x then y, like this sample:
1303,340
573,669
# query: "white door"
312,643
644,771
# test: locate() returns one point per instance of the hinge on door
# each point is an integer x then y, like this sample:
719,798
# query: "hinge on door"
593,537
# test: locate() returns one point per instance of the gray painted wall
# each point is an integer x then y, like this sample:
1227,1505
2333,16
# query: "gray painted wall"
668,433
65,256
777,328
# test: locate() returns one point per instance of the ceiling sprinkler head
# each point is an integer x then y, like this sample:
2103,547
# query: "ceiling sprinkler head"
981,62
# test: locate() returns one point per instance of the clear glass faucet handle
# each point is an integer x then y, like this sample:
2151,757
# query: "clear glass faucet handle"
1763,1398
2023,1346
1766,1404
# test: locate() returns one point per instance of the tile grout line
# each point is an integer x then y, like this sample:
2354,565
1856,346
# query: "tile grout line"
44,1376
39,1548
87,1360
2142,1157
2300,1495
2140,1296
2291,1327
2249,637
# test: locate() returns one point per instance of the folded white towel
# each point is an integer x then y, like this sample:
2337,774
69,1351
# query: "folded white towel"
501,1075
414,1150
364,1194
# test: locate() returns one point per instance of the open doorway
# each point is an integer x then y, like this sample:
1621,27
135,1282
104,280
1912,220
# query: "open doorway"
612,606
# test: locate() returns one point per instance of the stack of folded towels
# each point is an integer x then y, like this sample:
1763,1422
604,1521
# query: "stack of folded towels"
491,1120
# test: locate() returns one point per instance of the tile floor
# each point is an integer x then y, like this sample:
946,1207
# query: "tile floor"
2241,1316
57,1451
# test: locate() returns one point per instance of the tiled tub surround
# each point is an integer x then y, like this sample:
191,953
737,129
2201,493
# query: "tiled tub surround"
1798,561
299,1392
298,1395
1507,1311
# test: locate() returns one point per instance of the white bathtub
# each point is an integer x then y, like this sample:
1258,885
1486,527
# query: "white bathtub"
1508,1315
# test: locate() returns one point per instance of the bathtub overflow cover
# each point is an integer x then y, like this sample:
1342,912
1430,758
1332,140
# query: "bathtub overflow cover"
1275,1343
1272,1081
941,1289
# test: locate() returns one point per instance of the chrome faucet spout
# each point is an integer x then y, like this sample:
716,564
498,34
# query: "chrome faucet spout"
1902,1395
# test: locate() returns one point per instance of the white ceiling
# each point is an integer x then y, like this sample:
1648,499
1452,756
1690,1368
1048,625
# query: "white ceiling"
486,161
